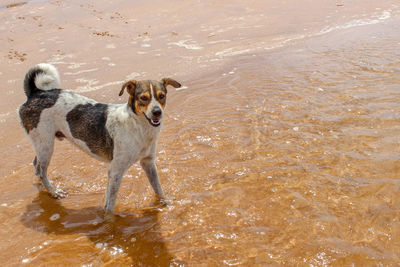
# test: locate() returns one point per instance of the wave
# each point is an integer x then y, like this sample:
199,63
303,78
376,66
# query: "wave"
357,23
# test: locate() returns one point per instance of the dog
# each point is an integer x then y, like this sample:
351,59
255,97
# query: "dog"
120,134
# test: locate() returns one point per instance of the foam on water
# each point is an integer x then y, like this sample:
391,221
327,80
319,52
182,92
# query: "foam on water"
385,15
188,44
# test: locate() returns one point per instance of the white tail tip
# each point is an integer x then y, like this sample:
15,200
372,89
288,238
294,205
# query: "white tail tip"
49,78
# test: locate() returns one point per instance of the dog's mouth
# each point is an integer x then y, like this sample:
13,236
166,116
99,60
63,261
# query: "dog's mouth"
154,121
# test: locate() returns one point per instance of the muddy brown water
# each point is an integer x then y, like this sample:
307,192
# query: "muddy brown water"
282,148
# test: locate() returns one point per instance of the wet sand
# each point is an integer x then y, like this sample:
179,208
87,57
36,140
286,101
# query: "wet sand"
281,148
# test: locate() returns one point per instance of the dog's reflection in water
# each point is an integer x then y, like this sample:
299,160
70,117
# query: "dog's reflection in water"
137,235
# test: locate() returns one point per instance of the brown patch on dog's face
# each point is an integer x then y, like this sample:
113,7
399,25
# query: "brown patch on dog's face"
142,100
161,97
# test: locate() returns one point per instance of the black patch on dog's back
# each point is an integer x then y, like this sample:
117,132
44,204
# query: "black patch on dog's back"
30,111
88,123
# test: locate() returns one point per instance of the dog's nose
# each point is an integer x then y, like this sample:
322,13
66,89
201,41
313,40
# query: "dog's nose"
156,111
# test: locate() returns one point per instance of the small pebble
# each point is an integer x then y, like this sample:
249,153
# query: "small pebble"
54,217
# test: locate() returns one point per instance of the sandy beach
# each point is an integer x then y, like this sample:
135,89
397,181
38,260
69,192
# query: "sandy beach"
281,148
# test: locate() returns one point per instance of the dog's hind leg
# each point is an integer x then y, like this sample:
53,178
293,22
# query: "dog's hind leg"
44,145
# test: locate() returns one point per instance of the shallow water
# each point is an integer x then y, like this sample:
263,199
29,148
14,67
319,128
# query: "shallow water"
282,148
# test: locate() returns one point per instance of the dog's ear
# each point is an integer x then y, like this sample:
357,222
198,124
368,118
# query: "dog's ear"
130,87
169,81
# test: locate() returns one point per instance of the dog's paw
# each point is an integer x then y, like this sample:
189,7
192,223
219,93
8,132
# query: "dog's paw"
163,202
109,217
159,203
58,193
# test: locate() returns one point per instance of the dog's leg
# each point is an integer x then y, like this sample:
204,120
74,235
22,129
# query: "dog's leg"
115,173
149,166
35,164
44,151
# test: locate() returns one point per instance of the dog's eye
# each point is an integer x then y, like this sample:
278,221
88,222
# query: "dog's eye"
144,98
161,96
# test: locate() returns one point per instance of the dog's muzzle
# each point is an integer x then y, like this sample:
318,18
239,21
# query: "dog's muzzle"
155,119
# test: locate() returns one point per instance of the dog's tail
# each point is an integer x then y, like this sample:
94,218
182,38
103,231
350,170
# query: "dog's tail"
42,76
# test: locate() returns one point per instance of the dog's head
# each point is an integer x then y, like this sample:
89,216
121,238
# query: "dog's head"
148,98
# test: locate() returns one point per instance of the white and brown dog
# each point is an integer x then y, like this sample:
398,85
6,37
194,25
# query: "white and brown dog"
121,134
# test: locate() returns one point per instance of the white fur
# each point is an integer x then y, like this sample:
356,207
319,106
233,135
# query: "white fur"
134,138
48,80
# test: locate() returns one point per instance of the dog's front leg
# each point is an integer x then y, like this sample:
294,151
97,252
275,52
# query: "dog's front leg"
115,174
149,166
